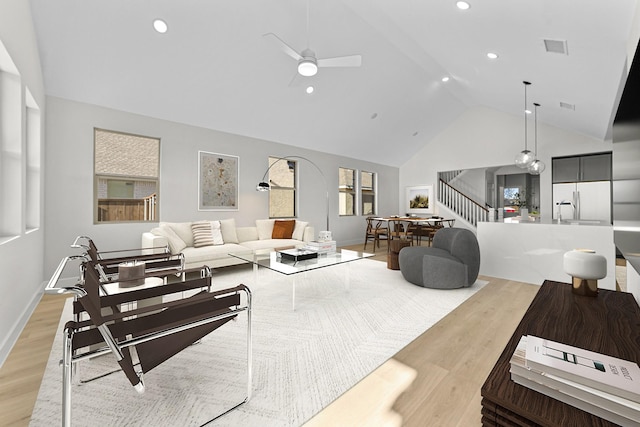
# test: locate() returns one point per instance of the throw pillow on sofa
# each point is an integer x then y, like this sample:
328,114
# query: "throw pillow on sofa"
265,228
228,228
176,244
182,229
206,233
283,229
298,231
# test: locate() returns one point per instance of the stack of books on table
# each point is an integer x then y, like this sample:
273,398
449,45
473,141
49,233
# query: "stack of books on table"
322,247
602,385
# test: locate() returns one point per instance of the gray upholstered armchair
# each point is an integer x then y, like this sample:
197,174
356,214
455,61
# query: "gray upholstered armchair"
453,260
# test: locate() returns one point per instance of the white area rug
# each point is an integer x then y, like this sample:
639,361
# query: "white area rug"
302,359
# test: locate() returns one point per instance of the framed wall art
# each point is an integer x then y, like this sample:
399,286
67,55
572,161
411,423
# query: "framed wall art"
218,181
420,199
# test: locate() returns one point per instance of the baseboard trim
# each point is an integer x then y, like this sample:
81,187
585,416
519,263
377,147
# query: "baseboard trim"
18,326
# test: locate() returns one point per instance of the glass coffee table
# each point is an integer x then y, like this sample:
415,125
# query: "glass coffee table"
272,260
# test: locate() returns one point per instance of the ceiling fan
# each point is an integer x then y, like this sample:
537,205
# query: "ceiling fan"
308,63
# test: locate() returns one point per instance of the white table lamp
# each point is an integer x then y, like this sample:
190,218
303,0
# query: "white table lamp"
586,268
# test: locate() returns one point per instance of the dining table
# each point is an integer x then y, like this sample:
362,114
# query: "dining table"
398,226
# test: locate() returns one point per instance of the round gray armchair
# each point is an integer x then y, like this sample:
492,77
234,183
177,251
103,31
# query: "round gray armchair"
452,261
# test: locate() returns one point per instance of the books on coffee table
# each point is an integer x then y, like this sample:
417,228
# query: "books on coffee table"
557,384
322,247
298,254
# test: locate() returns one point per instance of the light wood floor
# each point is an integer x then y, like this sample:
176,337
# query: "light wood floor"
433,381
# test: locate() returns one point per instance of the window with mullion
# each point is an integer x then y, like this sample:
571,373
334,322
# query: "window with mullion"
346,192
282,181
368,193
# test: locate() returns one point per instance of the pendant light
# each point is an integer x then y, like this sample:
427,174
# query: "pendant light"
537,167
525,158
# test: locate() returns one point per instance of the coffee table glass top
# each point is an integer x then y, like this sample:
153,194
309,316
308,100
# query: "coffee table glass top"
270,259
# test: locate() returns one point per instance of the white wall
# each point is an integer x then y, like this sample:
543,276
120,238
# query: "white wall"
69,183
21,258
483,137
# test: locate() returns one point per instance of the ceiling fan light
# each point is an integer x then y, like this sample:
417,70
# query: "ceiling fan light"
307,68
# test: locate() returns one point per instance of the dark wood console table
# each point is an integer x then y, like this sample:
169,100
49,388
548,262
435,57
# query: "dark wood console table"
608,323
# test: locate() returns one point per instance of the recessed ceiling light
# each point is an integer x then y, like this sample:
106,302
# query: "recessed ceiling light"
160,26
527,111
309,89
445,79
492,55
463,5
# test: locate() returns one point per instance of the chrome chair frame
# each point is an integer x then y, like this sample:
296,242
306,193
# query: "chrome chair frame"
120,347
156,262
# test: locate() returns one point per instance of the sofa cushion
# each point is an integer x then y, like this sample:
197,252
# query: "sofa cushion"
246,234
228,229
271,244
176,244
265,228
283,229
298,230
208,253
182,229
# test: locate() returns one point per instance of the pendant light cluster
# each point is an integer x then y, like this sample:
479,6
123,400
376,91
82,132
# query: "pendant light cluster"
537,167
527,159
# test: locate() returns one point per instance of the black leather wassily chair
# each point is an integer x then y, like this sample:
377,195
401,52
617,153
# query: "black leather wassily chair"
157,331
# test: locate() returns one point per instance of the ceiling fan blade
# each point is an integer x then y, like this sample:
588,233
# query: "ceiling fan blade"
283,46
341,61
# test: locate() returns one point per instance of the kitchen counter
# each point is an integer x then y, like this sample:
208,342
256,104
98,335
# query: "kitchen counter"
533,251
537,220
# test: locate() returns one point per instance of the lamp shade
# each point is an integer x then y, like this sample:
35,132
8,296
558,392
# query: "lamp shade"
537,167
524,159
585,264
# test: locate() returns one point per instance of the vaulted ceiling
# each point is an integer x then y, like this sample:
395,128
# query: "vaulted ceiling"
214,68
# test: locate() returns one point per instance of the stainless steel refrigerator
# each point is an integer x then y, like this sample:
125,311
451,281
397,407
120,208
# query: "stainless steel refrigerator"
583,200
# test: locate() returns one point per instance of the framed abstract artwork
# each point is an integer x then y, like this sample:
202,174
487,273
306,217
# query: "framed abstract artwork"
420,199
218,181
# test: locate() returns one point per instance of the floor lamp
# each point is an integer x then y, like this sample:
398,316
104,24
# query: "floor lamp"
264,186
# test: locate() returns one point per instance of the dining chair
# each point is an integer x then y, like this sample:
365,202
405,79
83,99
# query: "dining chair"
401,229
376,230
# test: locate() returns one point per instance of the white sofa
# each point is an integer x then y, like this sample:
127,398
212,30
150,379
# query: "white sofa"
178,236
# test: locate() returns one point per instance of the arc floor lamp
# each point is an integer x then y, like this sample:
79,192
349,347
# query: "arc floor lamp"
264,185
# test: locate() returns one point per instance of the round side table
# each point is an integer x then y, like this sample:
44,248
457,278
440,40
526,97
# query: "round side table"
394,249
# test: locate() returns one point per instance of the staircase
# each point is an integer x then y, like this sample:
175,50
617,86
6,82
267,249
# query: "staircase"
462,205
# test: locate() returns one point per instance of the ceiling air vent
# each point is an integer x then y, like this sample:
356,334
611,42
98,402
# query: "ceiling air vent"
556,46
567,106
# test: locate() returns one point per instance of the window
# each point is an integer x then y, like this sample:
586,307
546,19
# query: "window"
347,192
32,218
11,151
282,180
368,189
126,177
